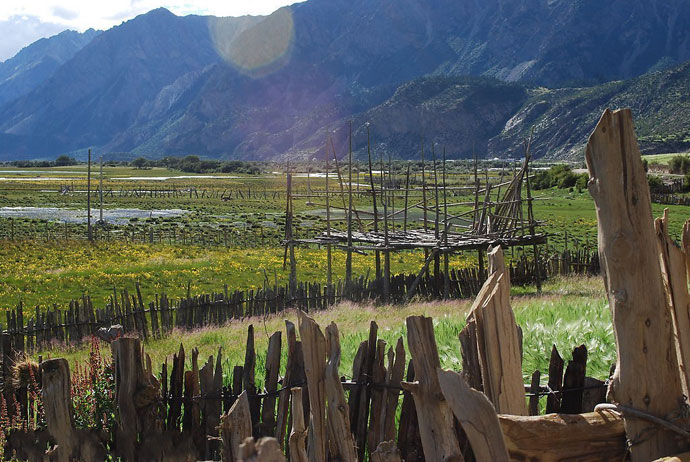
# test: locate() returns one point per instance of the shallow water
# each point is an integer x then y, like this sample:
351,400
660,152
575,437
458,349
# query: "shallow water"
115,216
41,178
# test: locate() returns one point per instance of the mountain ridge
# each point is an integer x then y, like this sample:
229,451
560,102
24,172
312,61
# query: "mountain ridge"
275,86
35,63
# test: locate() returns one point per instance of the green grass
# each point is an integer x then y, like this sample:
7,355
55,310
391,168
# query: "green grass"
569,312
46,273
662,159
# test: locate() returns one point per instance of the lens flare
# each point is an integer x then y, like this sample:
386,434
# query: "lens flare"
255,46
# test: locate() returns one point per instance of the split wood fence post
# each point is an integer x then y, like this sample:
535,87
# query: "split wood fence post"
342,443
72,444
477,416
436,427
314,350
674,274
235,427
647,375
498,340
298,437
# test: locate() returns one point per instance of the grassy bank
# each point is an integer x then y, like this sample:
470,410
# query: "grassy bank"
569,312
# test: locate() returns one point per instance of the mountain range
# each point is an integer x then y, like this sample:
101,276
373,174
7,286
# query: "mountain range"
471,75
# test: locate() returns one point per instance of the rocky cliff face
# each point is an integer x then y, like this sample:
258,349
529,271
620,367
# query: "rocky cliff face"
266,87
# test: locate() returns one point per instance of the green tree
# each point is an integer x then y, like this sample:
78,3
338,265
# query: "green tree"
139,162
64,160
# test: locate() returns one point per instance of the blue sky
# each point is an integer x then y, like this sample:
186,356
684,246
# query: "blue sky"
25,21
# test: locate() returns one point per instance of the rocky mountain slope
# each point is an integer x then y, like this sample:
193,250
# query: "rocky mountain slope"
276,86
35,64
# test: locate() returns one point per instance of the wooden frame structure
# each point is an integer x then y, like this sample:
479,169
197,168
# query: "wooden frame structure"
498,215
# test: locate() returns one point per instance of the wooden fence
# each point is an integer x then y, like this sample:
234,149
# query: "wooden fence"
187,411
670,199
39,328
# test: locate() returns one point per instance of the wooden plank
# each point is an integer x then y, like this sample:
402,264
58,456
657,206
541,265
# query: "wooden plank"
471,370
235,427
674,275
647,376
477,416
342,443
378,378
268,411
409,440
396,371
57,399
553,400
314,349
294,375
364,378
498,340
248,379
298,437
591,437
439,440
534,393
176,390
574,381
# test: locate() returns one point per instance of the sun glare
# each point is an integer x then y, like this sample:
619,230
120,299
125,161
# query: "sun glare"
257,46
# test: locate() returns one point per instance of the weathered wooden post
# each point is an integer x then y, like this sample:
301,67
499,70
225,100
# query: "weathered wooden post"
235,427
88,198
647,376
57,400
314,348
373,197
436,427
72,444
298,437
477,417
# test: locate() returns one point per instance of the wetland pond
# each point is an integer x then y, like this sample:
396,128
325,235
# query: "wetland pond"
115,216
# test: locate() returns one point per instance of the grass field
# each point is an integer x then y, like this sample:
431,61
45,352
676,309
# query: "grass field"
47,264
662,159
569,312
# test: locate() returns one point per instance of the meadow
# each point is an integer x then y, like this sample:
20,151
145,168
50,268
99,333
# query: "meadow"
46,260
569,312
49,261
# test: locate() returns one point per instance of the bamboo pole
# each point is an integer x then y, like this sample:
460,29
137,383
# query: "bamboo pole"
100,191
426,228
328,229
530,213
348,261
391,182
342,188
446,275
386,253
407,194
437,258
373,196
88,199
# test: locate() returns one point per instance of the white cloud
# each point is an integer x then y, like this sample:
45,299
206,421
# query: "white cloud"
23,22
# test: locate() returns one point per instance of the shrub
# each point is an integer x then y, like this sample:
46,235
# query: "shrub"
680,163
560,176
